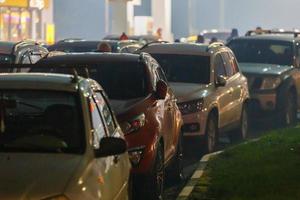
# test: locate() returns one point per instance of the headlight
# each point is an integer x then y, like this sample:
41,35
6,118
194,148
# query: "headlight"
134,124
190,106
270,83
60,197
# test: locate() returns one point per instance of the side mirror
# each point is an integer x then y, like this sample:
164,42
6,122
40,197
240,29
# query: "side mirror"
161,89
110,146
221,81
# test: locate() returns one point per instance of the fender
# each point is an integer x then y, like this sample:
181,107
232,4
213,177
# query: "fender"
282,90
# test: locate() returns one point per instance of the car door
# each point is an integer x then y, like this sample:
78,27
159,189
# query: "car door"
223,93
171,112
166,105
234,86
114,169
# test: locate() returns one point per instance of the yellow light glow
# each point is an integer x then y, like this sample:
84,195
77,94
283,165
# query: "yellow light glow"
50,33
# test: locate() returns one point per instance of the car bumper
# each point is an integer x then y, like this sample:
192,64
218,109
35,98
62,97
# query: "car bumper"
194,124
263,104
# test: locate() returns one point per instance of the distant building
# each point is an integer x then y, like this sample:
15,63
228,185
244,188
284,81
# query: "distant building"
26,19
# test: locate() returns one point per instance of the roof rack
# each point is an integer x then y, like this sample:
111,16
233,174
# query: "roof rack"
24,42
262,32
74,69
154,42
216,44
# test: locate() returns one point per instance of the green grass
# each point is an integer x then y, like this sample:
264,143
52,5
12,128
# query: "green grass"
268,169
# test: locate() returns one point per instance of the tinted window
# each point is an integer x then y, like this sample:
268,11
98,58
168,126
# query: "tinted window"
79,47
263,51
40,121
105,112
6,59
97,124
185,68
124,80
228,66
219,66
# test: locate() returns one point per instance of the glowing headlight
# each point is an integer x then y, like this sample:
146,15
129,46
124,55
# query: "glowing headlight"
60,197
270,83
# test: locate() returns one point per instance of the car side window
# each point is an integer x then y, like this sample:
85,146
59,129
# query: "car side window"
105,112
228,66
233,63
219,66
161,74
97,124
25,59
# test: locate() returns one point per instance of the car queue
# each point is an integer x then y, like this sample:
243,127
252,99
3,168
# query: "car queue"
115,121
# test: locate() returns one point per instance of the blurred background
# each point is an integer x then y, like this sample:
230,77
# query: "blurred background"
52,20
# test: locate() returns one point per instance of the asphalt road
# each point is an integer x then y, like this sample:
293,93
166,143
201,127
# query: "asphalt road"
193,153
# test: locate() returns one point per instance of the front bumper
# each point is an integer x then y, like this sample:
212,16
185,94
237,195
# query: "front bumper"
194,124
263,104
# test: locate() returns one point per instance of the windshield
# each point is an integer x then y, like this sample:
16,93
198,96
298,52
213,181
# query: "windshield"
122,80
185,68
263,51
40,121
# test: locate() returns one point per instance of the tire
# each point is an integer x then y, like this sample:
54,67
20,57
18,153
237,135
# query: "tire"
175,172
153,187
241,133
211,136
288,115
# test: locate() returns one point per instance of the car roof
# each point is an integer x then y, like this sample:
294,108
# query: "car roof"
90,58
178,48
278,37
42,81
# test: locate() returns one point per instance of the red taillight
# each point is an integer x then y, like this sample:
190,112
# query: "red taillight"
134,124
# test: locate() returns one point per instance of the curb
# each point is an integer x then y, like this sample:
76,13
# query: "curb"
189,187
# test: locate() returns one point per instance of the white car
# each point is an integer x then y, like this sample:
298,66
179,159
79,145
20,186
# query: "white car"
59,140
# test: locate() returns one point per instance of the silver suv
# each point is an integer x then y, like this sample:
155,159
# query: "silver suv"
212,92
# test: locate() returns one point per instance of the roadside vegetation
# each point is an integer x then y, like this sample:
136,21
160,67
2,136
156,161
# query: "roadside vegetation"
267,169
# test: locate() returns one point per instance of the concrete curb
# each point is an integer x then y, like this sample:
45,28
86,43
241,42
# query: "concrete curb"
189,187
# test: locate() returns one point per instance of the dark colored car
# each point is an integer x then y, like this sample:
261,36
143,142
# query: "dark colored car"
270,60
146,110
144,39
80,46
24,52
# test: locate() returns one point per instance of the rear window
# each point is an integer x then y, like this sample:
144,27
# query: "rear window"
185,68
40,121
122,81
263,51
79,47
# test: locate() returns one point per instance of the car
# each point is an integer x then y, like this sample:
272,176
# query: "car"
24,52
212,92
59,139
144,39
146,109
270,60
80,45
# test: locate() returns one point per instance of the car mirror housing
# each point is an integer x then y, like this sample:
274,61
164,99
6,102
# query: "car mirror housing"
221,81
110,146
161,89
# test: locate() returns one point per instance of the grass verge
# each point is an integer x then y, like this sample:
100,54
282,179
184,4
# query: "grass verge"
267,169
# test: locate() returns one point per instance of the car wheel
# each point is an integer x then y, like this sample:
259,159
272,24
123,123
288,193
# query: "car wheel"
175,171
289,113
211,136
153,187
242,131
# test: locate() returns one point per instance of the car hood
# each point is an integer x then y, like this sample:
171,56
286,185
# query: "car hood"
122,106
263,69
189,91
35,176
